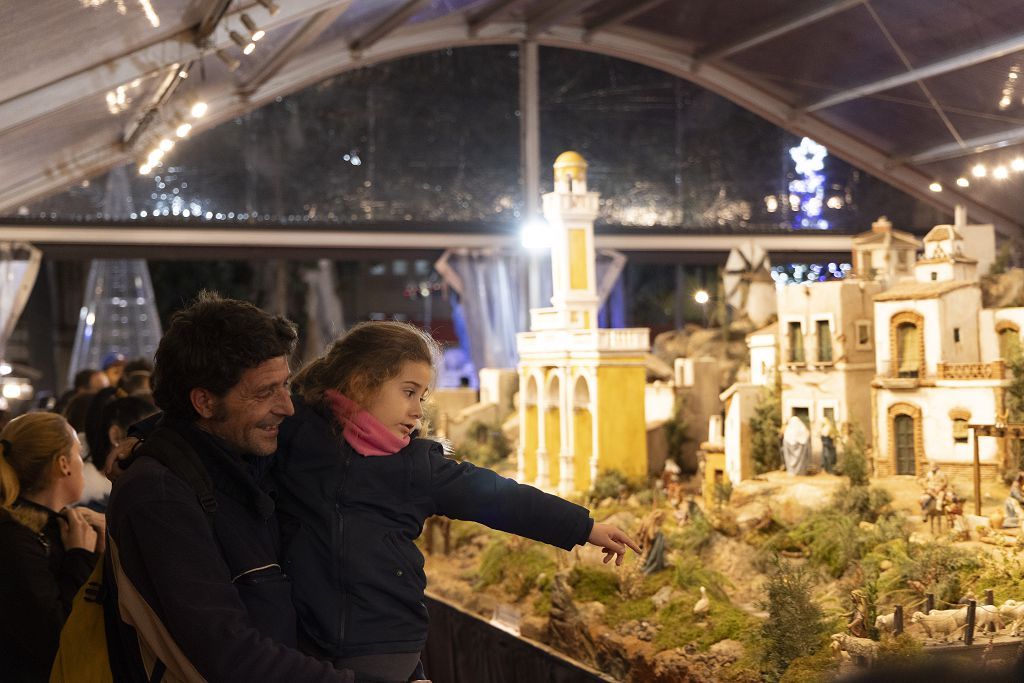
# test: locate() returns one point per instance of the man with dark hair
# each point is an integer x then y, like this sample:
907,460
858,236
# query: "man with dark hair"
193,536
87,381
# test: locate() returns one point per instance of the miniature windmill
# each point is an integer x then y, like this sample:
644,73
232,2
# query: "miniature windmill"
748,283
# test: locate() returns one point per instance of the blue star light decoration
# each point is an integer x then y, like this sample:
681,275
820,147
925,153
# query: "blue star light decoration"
807,193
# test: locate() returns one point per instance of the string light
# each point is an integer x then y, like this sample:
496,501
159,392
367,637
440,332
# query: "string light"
255,32
979,171
183,130
199,109
963,182
807,193
1000,173
935,187
1017,164
166,144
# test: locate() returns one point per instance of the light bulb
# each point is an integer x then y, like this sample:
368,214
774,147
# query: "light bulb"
979,171
935,187
199,109
1000,173
963,182
166,144
183,130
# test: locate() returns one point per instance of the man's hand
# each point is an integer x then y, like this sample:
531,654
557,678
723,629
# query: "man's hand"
112,470
613,541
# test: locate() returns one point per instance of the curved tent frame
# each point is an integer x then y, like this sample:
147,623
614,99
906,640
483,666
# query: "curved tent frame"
58,133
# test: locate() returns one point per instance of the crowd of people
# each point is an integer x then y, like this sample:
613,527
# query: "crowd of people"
257,528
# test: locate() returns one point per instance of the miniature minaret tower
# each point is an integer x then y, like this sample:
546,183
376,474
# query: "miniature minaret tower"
581,407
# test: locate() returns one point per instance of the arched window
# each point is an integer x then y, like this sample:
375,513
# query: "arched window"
1009,340
908,350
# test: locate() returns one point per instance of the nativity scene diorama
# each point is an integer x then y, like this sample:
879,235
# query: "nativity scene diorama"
825,478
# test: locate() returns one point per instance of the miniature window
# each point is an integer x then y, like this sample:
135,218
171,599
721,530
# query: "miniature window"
956,335
400,267
935,276
909,359
960,430
804,413
1009,343
796,343
863,334
903,262
824,334
377,268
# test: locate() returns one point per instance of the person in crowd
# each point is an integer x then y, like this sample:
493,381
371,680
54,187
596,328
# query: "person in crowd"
111,429
77,409
200,579
113,365
1014,505
355,485
47,549
87,381
136,378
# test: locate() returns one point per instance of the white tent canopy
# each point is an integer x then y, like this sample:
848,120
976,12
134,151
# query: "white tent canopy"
914,93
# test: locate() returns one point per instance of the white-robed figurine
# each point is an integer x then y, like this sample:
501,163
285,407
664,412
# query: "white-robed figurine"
796,446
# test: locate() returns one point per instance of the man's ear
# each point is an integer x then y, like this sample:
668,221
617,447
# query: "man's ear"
204,402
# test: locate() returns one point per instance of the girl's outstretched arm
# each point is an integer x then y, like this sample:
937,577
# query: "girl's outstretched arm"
613,541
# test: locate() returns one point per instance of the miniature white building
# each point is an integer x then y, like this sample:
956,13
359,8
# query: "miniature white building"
763,346
939,364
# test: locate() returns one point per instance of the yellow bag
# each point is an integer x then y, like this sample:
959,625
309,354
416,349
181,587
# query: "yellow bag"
82,654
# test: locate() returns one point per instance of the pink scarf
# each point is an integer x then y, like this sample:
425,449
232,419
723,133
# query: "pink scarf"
365,433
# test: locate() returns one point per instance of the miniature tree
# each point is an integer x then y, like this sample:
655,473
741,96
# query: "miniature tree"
765,428
854,462
795,626
1015,400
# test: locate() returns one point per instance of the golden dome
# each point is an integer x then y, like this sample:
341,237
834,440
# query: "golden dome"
572,163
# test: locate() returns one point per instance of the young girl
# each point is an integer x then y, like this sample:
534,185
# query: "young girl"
355,486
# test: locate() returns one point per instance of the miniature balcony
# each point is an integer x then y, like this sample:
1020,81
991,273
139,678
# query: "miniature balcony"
893,377
635,340
965,371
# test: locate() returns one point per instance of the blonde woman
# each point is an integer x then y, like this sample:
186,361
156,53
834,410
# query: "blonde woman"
48,548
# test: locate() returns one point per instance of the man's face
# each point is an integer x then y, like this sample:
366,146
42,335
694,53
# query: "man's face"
248,415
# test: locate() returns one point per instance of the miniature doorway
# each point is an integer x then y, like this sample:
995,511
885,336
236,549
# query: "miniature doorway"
583,430
552,430
531,432
903,430
908,345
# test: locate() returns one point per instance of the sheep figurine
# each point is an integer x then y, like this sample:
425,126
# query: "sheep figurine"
858,648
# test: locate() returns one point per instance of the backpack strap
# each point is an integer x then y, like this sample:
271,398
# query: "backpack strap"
172,451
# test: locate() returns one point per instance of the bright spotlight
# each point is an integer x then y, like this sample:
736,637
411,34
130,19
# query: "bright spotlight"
935,187
536,234
199,109
701,297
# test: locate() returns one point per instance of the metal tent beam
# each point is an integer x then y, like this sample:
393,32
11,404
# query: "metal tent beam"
953,150
780,28
144,62
943,66
297,42
552,14
388,24
478,20
620,14
333,58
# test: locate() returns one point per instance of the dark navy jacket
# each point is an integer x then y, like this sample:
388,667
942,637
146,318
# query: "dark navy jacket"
349,523
213,585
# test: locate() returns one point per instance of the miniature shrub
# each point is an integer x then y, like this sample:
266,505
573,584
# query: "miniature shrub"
1004,575
795,624
691,574
694,536
816,668
765,427
610,484
484,445
853,461
903,648
591,583
678,626
917,569
514,565
866,504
